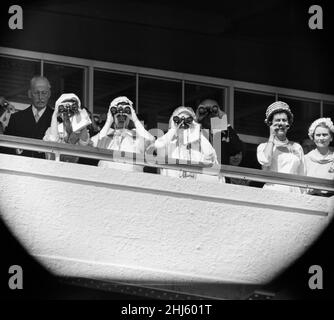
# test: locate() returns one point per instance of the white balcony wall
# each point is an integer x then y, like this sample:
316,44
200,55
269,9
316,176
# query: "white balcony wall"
101,223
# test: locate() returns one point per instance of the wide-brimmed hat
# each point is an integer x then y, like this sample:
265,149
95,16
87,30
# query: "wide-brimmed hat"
278,106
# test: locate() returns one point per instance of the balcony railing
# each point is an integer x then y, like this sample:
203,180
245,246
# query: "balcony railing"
163,163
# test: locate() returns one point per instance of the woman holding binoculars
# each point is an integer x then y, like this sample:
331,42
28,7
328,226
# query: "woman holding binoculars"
185,141
278,153
67,105
122,131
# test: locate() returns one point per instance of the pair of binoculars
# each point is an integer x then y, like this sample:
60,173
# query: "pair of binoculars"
185,120
69,107
4,104
115,110
203,110
283,126
3,107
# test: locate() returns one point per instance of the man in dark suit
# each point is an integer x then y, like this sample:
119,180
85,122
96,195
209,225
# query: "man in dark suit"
226,140
35,120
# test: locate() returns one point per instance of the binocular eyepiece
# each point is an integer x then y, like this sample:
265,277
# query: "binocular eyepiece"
121,108
3,107
184,121
4,104
284,126
69,107
203,110
115,110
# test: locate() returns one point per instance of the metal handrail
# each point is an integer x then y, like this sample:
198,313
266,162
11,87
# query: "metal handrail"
159,162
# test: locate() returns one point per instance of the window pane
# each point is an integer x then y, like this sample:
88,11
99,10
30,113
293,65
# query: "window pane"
109,85
305,112
64,79
249,156
157,100
195,93
328,110
15,75
249,112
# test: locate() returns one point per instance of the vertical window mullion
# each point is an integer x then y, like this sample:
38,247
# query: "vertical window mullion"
137,92
42,68
183,93
91,89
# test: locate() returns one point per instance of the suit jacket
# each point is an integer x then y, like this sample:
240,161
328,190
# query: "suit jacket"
229,143
23,124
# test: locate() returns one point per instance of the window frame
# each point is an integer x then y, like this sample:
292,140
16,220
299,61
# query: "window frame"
228,85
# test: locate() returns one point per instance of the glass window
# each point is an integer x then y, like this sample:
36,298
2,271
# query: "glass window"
305,112
328,110
249,112
15,75
109,85
65,79
249,156
158,98
195,93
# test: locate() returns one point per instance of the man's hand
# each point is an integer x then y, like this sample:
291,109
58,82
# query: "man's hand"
220,113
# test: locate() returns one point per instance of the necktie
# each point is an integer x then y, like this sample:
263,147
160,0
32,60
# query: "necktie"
36,117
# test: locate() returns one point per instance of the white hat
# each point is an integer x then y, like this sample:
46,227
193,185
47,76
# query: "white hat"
326,121
277,107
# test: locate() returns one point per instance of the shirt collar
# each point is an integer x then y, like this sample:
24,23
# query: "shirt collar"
39,112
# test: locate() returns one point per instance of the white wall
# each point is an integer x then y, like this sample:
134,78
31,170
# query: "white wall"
102,223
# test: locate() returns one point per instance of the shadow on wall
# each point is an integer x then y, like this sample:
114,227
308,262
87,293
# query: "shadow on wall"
38,283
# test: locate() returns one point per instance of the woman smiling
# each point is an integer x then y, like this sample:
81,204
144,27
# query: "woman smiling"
320,161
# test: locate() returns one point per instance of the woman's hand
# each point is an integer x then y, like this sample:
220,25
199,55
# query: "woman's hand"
133,115
273,130
110,118
84,136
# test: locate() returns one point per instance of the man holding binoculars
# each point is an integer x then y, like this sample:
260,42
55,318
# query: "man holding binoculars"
65,128
222,136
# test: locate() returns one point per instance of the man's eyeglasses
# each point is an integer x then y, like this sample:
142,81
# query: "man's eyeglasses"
40,93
